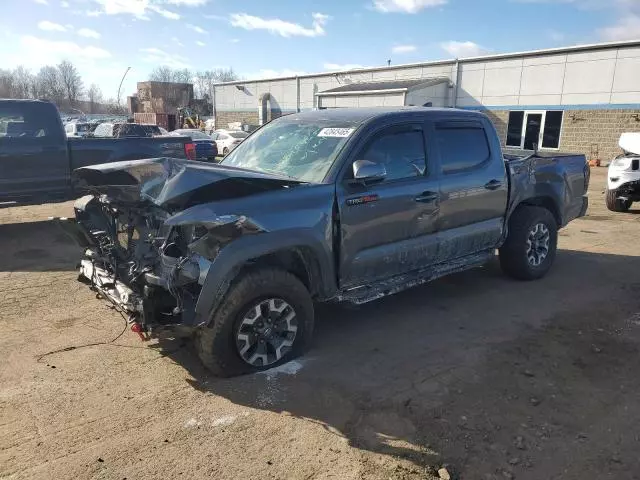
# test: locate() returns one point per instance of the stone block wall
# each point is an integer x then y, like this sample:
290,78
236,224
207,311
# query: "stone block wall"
223,118
595,133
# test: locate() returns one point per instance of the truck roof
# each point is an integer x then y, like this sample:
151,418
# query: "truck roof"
24,100
359,115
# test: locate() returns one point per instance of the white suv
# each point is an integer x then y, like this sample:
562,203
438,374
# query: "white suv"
623,177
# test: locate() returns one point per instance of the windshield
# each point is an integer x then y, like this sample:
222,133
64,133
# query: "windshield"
151,129
194,134
304,150
239,134
133,130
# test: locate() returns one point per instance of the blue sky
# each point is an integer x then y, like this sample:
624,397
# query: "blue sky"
261,38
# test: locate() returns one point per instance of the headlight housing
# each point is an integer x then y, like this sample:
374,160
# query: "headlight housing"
621,163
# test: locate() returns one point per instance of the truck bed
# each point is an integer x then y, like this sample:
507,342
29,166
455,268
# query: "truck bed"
92,151
536,174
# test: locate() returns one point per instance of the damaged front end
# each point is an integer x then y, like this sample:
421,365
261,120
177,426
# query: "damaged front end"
148,242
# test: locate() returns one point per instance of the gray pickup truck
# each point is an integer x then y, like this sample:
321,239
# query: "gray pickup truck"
37,158
333,205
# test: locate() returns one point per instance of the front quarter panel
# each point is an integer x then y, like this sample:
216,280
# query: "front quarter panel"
291,218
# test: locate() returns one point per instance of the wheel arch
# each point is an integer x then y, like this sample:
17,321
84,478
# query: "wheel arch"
543,201
300,255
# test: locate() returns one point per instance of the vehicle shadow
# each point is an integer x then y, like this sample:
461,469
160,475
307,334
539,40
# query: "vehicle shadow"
36,247
426,375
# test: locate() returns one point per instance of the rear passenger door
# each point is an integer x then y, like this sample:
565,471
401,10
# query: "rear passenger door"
473,188
389,227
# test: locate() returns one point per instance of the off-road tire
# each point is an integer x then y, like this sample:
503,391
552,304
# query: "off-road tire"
216,344
513,254
614,203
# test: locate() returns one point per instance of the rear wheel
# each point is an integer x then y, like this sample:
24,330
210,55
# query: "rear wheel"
266,320
614,203
530,248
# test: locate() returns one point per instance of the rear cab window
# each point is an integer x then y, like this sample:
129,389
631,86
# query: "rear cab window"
463,145
30,122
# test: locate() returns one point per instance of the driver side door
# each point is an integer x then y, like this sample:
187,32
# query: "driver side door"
389,227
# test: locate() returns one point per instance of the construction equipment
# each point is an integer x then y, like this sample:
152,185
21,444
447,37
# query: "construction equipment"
187,118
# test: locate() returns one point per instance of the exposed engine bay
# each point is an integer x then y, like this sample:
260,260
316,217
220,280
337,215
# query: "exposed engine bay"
148,243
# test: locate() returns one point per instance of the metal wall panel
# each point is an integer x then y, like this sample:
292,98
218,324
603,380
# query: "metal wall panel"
607,75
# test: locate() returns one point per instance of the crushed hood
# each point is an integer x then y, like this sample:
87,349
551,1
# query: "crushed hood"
630,142
175,184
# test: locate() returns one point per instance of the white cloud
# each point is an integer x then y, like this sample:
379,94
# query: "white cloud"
160,57
177,41
405,6
463,49
48,50
197,29
48,26
403,49
64,4
188,3
269,73
234,40
115,7
201,44
164,13
138,8
627,28
88,33
41,2
342,66
280,27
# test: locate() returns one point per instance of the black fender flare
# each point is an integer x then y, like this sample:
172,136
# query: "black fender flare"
236,255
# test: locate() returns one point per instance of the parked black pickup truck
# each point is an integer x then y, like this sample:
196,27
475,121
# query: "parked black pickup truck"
36,158
333,205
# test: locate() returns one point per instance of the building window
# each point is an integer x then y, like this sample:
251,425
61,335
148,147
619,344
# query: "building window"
534,129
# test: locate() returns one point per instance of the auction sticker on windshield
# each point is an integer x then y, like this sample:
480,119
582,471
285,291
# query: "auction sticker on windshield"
336,132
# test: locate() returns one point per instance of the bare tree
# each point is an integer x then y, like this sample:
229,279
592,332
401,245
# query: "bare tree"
205,80
168,74
111,106
22,82
49,84
94,95
162,74
71,81
6,84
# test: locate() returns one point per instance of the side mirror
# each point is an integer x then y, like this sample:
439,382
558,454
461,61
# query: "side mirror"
366,172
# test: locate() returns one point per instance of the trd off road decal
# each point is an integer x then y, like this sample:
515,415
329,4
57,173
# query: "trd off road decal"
362,200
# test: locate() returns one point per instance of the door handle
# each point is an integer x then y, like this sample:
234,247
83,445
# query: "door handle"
427,197
493,185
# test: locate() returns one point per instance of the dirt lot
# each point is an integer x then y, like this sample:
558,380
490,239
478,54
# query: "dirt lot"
494,378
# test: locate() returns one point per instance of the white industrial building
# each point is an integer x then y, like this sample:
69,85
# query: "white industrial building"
571,99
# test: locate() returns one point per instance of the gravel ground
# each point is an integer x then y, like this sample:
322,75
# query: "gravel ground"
489,377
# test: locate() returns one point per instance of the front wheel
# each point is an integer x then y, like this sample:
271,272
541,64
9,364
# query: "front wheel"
530,247
614,203
266,320
225,151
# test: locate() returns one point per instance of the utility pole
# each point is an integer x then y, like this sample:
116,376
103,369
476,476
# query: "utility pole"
121,81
